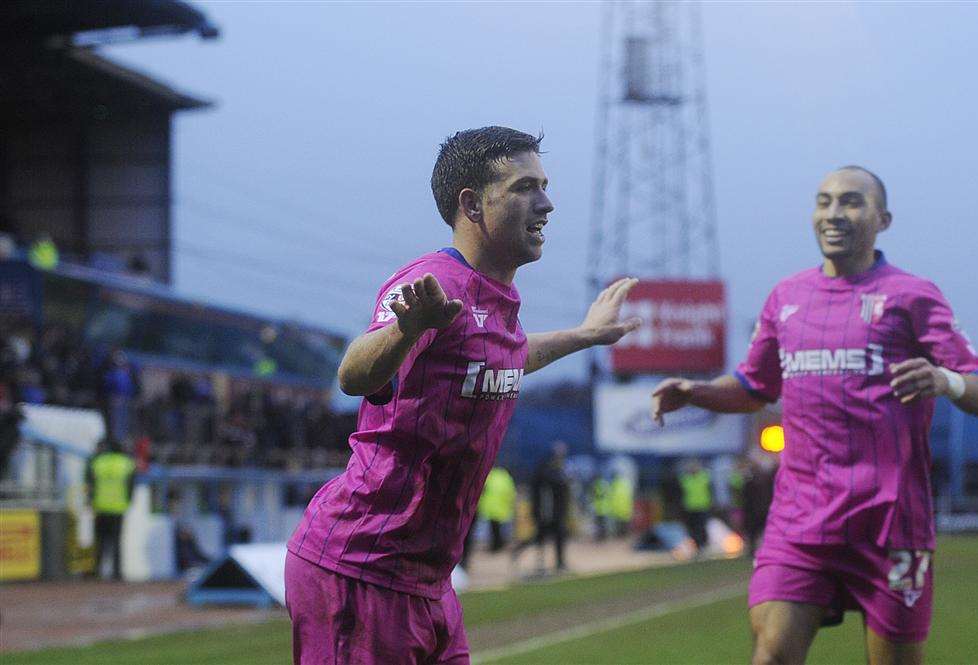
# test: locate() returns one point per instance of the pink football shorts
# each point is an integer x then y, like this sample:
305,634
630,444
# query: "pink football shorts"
337,620
892,588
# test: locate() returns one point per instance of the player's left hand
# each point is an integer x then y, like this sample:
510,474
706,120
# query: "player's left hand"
916,378
601,323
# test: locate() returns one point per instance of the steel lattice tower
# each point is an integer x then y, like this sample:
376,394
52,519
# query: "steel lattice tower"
653,210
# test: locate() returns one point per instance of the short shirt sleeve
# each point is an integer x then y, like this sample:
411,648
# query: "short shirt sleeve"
938,333
760,372
383,316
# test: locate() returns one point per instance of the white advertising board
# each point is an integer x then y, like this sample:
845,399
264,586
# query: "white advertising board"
265,562
623,423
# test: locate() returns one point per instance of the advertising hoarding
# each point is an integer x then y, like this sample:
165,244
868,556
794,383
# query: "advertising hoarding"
683,328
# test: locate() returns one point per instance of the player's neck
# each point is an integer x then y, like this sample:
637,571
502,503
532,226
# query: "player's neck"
482,262
848,266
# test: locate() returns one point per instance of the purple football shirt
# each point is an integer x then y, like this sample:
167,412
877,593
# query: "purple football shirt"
856,463
399,514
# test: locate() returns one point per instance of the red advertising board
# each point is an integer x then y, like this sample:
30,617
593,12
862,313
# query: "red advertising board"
683,328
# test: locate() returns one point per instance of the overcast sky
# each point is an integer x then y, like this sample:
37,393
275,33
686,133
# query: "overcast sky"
307,184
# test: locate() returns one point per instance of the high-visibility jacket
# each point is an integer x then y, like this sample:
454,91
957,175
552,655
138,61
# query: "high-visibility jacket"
601,498
498,500
111,476
622,499
696,491
43,254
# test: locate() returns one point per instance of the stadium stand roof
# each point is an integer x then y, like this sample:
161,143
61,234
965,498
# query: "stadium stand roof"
42,20
49,71
52,82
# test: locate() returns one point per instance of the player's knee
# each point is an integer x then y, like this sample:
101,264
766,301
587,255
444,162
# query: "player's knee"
767,654
771,647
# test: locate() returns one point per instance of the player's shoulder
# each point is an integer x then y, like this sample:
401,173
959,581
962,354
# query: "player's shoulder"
791,282
446,269
912,287
800,277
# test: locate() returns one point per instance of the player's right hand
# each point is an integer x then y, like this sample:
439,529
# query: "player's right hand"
670,395
424,306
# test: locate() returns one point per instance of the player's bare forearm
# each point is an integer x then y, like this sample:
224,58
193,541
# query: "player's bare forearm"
544,348
600,326
918,378
723,394
373,358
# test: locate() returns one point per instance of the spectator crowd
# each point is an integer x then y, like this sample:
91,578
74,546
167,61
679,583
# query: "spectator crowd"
173,416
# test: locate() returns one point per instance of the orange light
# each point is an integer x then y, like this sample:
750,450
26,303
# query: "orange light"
772,438
732,544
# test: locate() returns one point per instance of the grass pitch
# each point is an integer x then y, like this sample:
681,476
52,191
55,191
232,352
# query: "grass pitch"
694,613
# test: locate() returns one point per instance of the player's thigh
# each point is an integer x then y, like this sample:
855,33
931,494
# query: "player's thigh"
338,620
784,630
881,651
895,590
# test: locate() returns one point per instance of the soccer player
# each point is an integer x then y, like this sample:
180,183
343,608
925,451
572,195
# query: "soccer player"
440,367
857,349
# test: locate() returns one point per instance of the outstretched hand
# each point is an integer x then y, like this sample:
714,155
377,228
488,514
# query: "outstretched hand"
601,322
424,306
670,395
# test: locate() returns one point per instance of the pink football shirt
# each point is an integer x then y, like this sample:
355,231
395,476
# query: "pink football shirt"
856,463
399,514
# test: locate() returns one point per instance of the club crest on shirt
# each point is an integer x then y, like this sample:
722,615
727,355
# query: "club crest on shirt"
386,312
910,596
786,312
872,308
480,316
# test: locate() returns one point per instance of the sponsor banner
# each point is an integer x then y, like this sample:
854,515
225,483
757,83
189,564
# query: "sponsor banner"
20,545
683,328
623,423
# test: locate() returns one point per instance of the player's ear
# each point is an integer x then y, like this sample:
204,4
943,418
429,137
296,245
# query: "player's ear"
886,218
470,204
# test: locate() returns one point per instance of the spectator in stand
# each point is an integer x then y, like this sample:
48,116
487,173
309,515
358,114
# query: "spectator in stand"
10,418
120,388
30,387
236,439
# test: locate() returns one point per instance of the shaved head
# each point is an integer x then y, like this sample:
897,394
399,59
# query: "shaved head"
880,187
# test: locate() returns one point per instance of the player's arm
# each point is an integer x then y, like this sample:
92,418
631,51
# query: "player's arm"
600,326
918,377
947,360
724,394
373,358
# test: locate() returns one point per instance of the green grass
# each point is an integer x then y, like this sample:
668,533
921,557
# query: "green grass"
483,607
714,633
719,633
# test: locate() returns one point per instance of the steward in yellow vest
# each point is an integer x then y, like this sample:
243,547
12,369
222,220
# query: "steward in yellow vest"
697,500
601,505
498,504
622,500
110,477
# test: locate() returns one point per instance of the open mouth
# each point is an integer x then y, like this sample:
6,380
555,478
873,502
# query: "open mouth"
536,229
834,236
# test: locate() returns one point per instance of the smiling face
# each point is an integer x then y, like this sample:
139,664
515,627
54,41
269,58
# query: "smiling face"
515,206
849,212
